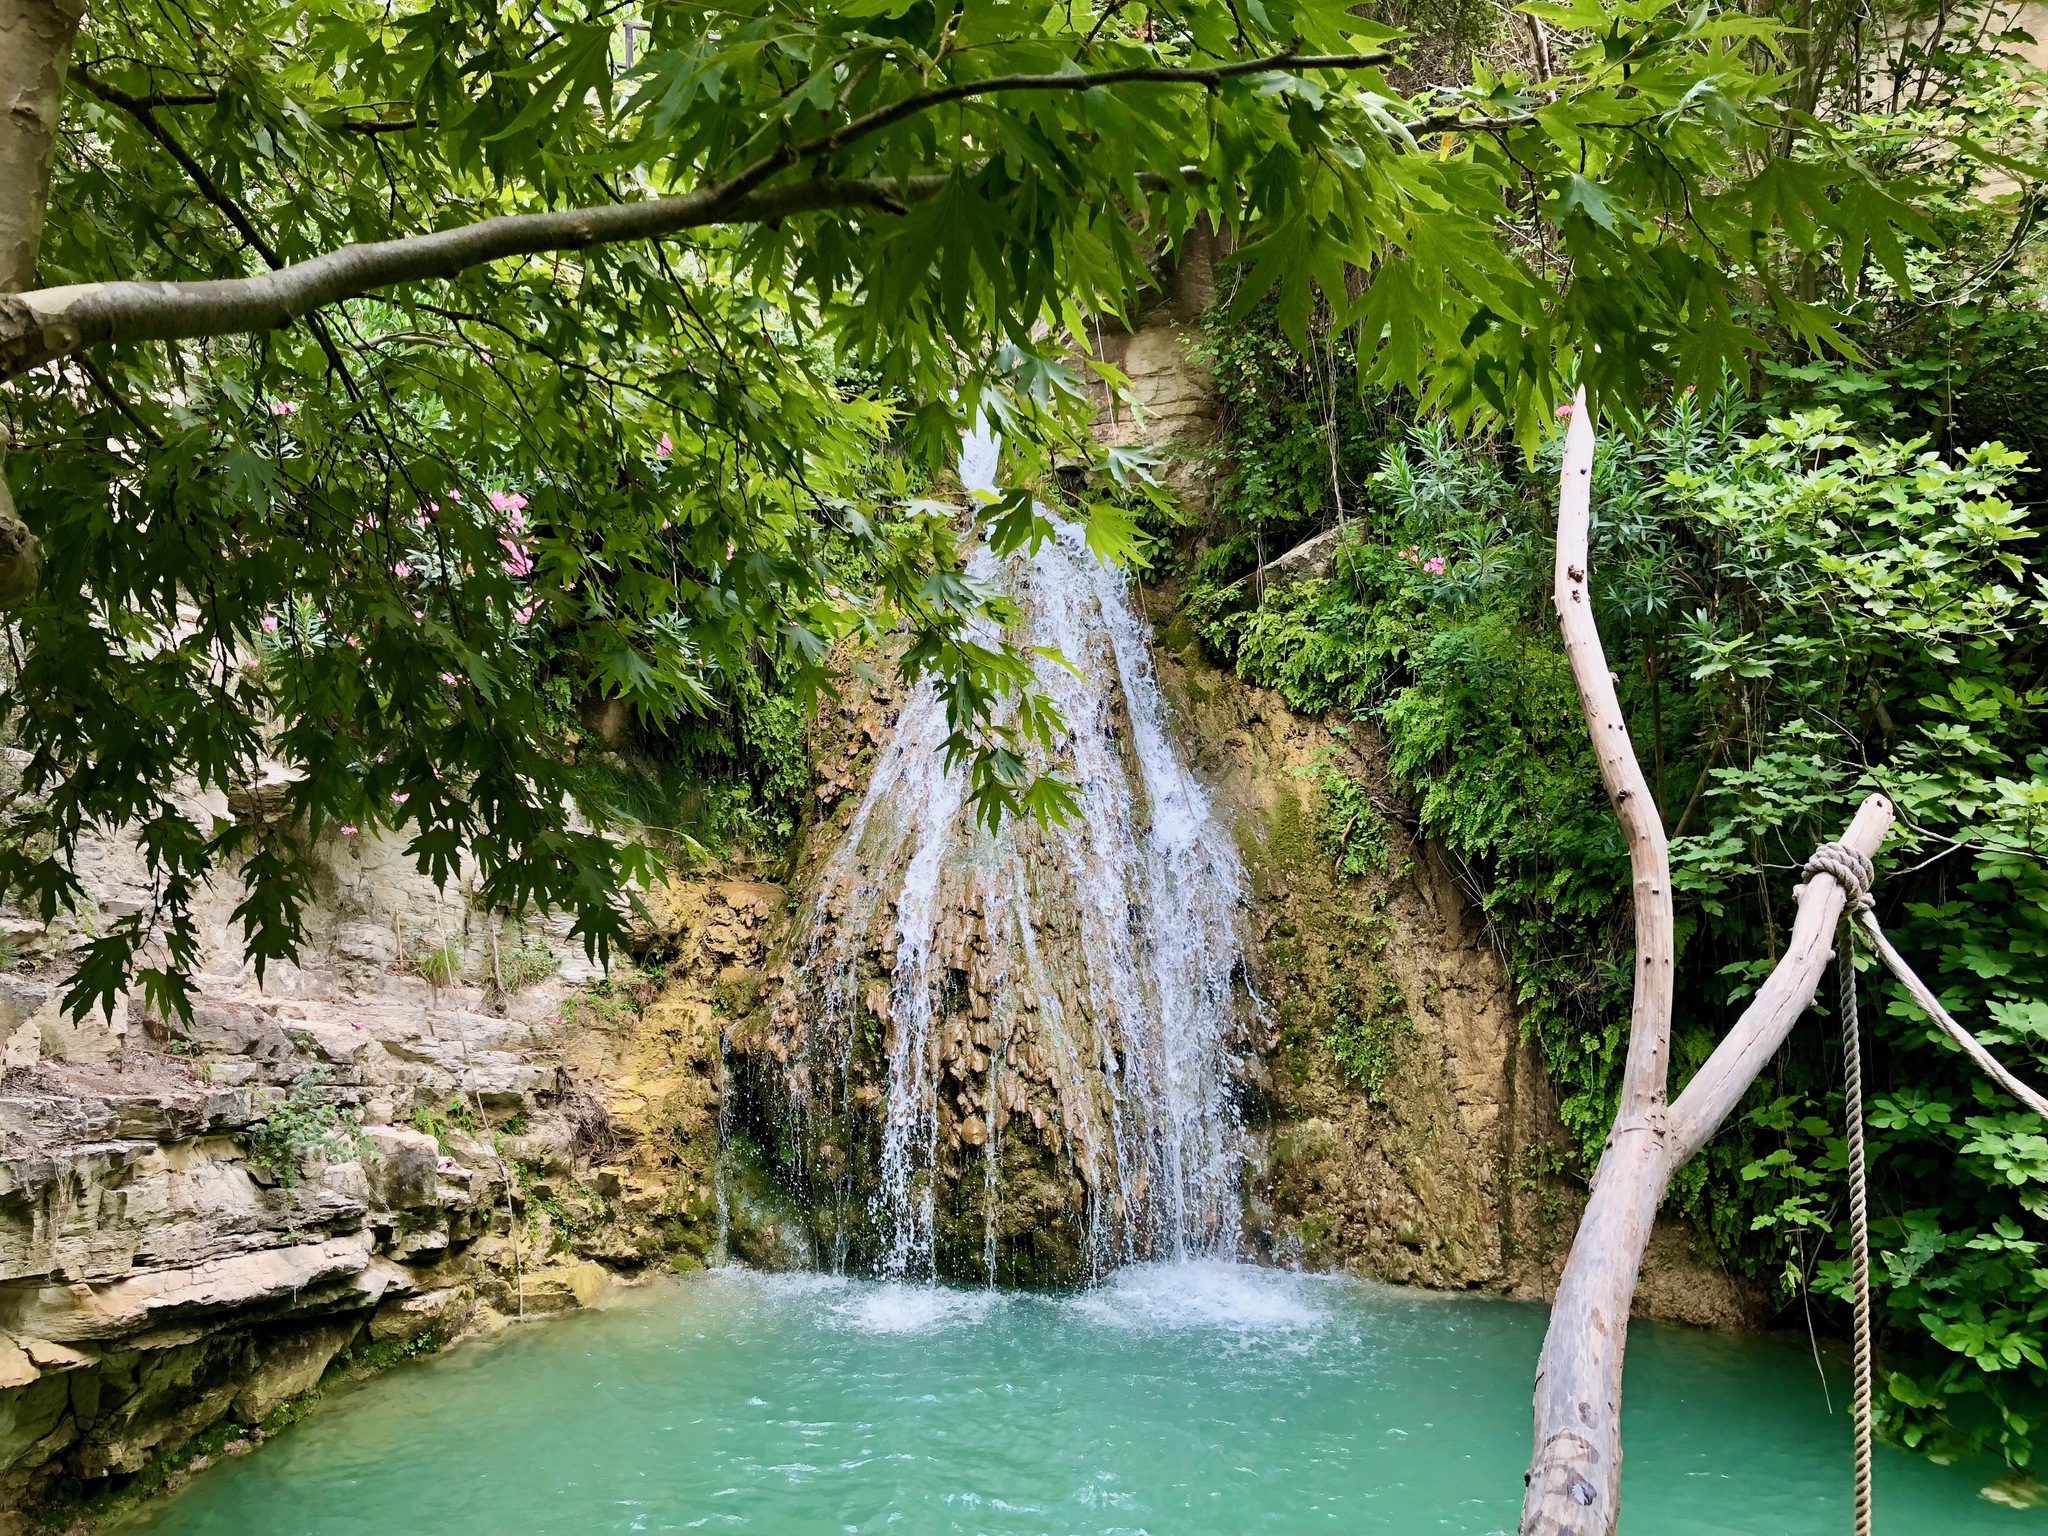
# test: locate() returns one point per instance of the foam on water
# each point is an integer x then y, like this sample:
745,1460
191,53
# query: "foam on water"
894,1307
1205,1293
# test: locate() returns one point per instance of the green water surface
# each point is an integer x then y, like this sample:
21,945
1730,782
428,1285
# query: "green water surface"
1190,1400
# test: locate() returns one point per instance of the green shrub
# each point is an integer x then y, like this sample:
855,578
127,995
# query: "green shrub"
306,1126
1796,616
437,1122
528,964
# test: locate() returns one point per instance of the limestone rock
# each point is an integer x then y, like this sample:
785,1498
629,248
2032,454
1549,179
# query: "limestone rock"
281,1368
403,1168
405,1318
17,1367
68,1313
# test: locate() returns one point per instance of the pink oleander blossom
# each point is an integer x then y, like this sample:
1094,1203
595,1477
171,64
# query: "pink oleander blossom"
401,570
664,448
284,407
270,623
1564,412
507,501
399,797
347,830
1434,565
450,679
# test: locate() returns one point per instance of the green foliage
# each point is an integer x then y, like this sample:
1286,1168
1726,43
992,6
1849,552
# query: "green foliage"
1797,616
1349,826
437,1122
445,517
527,964
1366,1033
306,1126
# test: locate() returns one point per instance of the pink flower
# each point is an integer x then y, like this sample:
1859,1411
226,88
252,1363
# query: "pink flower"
1434,565
664,448
1410,554
507,501
525,615
1564,411
399,797
450,679
401,570
348,831
284,407
454,494
352,640
270,623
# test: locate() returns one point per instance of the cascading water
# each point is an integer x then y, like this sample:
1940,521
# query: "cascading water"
1064,1006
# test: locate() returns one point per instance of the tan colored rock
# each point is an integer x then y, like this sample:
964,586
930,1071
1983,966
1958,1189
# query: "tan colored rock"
17,1367
282,1368
49,1356
404,1318
401,1168
82,1311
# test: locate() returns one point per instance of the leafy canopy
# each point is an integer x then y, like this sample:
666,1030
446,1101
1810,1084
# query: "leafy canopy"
386,554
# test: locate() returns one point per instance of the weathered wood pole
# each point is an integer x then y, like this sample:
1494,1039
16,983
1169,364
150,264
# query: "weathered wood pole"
1574,1480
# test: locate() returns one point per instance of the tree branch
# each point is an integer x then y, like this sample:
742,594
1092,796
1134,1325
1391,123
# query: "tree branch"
1649,1040
1719,1085
143,113
39,326
54,322
1079,80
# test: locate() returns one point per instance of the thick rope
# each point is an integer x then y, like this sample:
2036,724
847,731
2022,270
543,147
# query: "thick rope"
1853,872
1859,1218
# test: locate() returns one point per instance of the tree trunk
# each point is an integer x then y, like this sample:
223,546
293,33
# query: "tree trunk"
35,51
1574,1480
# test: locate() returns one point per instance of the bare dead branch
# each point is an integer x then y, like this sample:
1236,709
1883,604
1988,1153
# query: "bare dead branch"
1574,1481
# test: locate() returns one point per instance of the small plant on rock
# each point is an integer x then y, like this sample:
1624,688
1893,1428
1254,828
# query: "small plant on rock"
437,1121
528,964
440,966
305,1126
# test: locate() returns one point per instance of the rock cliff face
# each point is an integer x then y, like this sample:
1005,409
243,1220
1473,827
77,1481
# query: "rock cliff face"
173,1271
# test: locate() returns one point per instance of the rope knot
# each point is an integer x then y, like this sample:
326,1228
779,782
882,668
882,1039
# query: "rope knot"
1851,870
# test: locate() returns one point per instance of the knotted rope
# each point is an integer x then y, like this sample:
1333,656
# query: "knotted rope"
1854,873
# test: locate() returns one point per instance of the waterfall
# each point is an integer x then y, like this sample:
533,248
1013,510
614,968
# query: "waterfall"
1049,1024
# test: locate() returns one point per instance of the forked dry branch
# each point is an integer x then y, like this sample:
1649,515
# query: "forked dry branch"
1574,1480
